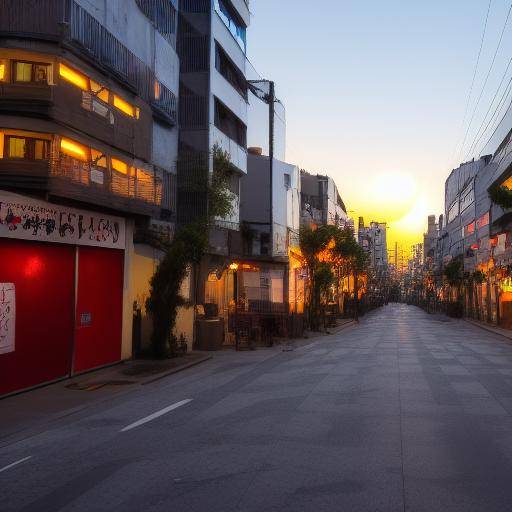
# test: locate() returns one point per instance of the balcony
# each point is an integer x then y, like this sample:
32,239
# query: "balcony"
71,178
27,94
67,22
238,154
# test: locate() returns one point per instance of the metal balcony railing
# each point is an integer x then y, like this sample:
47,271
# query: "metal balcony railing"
66,21
134,191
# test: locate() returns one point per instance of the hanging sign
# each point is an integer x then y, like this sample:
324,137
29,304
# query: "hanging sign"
29,219
7,317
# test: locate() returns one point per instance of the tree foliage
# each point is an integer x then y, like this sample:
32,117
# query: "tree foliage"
502,196
186,250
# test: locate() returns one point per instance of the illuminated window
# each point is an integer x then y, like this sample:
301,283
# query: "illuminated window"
119,166
26,147
16,147
99,91
73,149
41,150
125,107
157,90
74,77
2,72
98,158
31,72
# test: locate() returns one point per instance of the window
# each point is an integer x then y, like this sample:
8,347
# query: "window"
232,22
287,181
2,71
229,124
98,158
74,77
73,149
125,107
483,220
229,71
31,72
99,91
119,166
26,148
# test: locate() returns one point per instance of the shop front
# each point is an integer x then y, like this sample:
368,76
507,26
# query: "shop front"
61,291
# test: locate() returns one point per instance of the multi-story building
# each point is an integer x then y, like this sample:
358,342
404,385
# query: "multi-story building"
373,239
88,147
321,202
212,46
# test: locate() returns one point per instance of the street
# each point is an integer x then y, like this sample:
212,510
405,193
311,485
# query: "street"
404,411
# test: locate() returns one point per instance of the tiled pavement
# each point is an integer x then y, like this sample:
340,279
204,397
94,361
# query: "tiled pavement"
402,412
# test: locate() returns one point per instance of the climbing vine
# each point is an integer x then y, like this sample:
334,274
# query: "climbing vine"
186,250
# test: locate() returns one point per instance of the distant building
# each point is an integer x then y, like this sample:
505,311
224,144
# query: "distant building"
373,239
321,202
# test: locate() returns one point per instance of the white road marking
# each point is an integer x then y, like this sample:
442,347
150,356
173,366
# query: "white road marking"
155,415
5,468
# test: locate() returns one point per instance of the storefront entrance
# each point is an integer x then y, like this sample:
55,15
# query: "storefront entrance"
41,339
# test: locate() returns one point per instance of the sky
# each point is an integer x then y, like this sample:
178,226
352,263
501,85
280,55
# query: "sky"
376,94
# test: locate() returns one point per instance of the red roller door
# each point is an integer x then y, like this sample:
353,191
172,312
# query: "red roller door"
43,278
99,308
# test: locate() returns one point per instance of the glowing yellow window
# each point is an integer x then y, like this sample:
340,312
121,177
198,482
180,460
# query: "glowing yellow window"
16,147
98,158
100,91
23,71
125,107
2,72
74,77
71,148
119,166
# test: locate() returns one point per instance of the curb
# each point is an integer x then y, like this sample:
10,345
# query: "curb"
495,330
176,370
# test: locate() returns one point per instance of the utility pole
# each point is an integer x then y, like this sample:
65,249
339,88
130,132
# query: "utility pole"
270,99
271,129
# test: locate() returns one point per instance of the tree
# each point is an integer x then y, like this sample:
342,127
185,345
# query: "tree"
350,258
186,249
314,242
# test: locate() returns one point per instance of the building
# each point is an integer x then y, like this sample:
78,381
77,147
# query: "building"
88,146
373,239
321,202
430,237
213,120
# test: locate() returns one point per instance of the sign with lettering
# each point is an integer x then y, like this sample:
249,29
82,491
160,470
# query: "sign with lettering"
29,219
7,317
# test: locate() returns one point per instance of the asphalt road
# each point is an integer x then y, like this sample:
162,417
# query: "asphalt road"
402,412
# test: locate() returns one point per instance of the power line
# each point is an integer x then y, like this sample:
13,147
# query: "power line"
477,139
466,110
486,78
496,125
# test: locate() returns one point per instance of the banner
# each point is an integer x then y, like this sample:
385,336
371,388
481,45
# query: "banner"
30,219
7,317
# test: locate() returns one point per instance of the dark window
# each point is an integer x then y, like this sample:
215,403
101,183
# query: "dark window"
169,192
229,71
30,72
26,148
229,124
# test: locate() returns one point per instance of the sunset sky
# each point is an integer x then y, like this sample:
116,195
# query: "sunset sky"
376,94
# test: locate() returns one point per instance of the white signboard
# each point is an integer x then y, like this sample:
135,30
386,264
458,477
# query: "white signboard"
7,317
29,219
